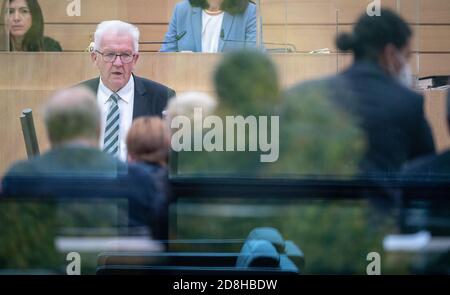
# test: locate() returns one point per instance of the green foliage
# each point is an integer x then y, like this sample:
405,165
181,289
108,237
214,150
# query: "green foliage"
27,234
317,137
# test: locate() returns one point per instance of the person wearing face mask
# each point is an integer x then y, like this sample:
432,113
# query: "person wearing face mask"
24,27
376,91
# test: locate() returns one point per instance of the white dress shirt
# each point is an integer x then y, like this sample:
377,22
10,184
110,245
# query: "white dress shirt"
126,104
211,28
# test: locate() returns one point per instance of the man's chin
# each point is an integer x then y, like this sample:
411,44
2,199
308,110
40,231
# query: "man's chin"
118,84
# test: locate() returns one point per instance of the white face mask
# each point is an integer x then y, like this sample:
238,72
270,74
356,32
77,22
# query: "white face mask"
405,76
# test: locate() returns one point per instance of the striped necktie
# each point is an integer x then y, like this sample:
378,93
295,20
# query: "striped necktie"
111,142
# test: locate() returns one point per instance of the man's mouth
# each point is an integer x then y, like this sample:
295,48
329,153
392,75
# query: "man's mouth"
117,73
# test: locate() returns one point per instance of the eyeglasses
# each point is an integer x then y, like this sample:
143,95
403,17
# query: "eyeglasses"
126,58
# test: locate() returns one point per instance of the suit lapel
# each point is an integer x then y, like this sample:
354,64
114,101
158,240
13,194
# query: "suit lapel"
226,27
196,24
93,85
142,101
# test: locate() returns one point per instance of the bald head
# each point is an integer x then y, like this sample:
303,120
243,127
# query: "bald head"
71,115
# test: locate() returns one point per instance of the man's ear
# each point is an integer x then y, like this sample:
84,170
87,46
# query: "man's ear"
94,57
136,58
391,53
388,59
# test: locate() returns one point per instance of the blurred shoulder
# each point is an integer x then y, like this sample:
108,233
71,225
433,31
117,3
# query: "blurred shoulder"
427,167
23,167
311,87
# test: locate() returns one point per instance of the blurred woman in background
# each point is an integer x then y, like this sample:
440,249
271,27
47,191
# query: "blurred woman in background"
24,27
211,26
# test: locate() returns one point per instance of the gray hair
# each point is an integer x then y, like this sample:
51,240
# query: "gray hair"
71,114
118,27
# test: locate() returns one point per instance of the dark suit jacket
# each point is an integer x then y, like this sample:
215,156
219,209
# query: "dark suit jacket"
150,98
429,168
50,44
390,115
80,173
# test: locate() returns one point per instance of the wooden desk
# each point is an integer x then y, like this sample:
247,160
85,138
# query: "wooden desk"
27,79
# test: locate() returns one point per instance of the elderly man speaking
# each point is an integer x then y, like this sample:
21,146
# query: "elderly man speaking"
122,96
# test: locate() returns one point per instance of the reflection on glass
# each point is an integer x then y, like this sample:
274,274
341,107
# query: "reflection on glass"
36,235
335,236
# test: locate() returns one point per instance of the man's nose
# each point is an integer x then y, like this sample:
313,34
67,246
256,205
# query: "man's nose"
118,61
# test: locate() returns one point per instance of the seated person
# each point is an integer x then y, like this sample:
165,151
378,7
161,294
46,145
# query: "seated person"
211,26
376,91
148,142
25,24
75,168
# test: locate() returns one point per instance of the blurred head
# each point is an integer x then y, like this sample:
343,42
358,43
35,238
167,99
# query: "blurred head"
230,6
385,39
148,140
24,23
114,38
72,115
185,104
247,83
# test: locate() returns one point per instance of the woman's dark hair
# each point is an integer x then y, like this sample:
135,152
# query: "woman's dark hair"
371,34
33,39
231,6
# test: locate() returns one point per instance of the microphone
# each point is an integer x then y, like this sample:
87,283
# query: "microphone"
292,49
176,39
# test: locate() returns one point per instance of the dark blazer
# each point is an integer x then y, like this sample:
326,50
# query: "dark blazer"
51,45
159,175
185,29
429,168
150,98
80,173
391,115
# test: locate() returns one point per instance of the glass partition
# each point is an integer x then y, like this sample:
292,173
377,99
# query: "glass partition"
264,115
44,236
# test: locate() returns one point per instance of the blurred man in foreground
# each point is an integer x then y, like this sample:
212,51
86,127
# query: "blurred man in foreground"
75,168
